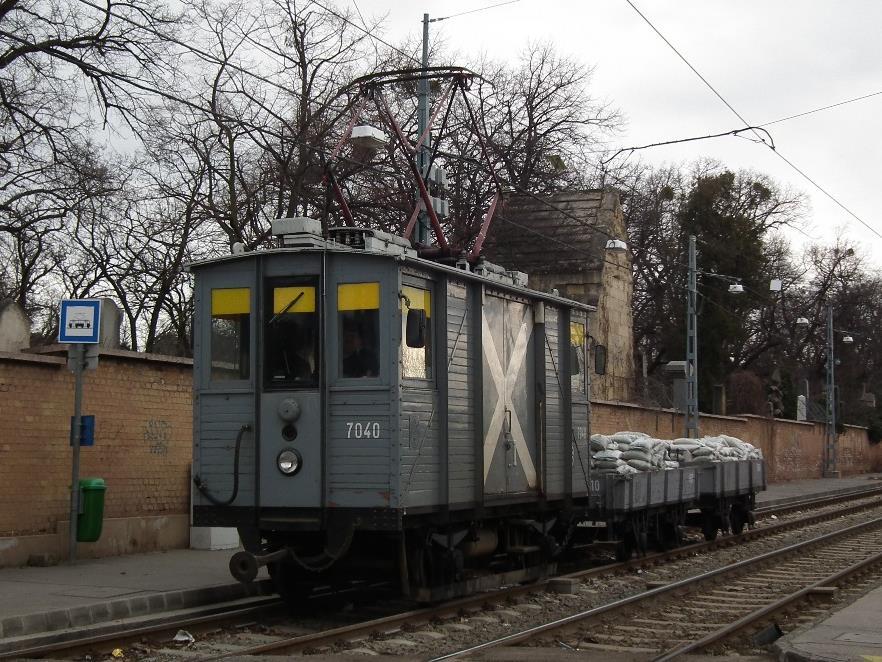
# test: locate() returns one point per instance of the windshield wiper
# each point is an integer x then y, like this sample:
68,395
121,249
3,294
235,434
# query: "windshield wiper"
275,318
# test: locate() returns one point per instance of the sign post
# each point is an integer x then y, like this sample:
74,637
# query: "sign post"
79,325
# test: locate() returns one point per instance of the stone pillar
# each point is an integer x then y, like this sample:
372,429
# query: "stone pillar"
111,319
15,327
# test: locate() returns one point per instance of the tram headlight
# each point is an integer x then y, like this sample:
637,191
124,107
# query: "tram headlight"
289,462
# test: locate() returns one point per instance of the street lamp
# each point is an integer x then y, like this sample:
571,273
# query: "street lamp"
830,440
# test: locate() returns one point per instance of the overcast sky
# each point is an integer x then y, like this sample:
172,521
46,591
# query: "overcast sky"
768,59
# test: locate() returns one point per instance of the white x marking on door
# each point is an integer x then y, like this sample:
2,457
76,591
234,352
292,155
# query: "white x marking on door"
505,383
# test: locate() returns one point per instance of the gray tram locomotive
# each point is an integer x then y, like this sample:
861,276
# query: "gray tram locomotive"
359,409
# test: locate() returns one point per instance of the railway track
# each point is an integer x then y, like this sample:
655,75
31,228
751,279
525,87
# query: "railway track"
271,640
796,506
662,624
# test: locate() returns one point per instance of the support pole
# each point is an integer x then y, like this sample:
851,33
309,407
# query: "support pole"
424,154
692,345
78,357
830,459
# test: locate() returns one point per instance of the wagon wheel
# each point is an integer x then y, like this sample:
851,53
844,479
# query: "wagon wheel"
710,526
669,536
737,520
628,543
625,548
642,540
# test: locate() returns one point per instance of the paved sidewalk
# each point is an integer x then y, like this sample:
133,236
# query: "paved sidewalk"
94,590
853,633
797,490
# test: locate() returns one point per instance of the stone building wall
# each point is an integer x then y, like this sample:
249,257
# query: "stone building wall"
569,254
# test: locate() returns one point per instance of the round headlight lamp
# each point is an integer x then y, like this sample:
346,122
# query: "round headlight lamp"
289,462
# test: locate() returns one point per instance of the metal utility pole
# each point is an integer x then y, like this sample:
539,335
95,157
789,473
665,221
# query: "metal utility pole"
78,358
830,463
424,155
692,345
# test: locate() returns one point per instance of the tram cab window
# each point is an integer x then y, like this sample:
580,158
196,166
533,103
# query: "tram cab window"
578,374
230,341
416,362
291,336
358,312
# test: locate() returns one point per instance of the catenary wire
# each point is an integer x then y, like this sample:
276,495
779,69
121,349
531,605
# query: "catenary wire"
733,132
739,116
211,58
364,23
367,32
474,11
822,108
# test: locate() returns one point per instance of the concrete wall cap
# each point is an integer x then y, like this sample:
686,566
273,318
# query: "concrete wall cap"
117,354
32,358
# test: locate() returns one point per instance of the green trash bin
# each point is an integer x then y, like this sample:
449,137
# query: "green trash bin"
91,515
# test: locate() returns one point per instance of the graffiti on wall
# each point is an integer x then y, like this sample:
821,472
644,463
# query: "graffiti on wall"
851,457
157,434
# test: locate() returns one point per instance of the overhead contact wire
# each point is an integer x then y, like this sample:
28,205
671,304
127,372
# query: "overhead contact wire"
740,117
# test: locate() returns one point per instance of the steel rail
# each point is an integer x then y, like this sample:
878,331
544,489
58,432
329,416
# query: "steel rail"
727,541
819,502
668,589
125,635
772,608
470,603
396,622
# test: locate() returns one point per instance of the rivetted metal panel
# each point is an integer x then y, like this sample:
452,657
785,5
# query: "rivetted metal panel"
460,389
555,444
420,460
220,418
358,455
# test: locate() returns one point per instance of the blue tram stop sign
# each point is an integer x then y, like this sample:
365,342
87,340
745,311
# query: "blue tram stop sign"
80,321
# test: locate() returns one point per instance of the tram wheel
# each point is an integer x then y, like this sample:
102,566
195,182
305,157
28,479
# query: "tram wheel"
289,582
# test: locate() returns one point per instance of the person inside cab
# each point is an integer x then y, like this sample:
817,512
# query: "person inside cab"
359,357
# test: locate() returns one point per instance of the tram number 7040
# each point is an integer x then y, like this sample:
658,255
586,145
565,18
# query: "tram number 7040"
358,430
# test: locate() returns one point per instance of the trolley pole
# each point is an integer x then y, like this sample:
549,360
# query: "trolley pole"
830,437
423,157
78,358
692,345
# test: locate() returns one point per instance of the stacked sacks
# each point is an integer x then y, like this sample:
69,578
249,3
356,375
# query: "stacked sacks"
628,452
606,455
722,448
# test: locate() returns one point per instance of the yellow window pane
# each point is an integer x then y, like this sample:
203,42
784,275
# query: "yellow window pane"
283,296
577,333
230,301
419,299
358,296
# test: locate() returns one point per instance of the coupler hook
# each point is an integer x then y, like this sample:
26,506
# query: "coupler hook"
244,565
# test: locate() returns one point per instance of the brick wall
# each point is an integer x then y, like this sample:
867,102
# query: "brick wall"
143,410
793,450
